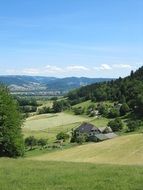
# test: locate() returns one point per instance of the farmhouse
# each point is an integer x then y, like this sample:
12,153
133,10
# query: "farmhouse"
93,133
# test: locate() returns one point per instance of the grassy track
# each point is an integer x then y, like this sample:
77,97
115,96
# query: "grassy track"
36,175
121,150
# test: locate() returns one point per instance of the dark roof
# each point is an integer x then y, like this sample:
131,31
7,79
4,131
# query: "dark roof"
101,137
86,128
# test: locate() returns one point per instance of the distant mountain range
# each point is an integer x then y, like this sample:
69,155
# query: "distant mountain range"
40,83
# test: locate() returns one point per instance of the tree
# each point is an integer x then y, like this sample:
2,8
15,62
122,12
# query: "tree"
103,109
42,142
81,139
122,99
113,113
132,74
139,105
133,125
124,109
116,124
62,136
31,141
11,138
44,110
78,110
57,106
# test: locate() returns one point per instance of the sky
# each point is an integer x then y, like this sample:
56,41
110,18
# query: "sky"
62,38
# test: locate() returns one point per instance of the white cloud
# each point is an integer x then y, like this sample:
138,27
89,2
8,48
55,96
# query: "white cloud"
123,66
106,67
103,67
53,69
11,71
31,71
77,68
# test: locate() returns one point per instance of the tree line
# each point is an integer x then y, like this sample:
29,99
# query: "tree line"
127,90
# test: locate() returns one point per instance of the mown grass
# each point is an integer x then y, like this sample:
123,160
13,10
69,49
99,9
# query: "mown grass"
46,121
36,175
49,125
126,150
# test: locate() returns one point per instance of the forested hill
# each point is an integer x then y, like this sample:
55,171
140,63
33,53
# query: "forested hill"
27,83
129,90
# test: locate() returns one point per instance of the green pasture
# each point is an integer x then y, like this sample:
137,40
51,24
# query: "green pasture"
124,150
36,175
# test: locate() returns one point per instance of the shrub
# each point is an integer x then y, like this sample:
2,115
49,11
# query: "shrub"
81,139
103,109
124,109
44,110
116,124
133,125
42,142
113,113
31,142
78,110
62,136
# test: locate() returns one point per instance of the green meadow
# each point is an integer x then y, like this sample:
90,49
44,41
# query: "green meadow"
49,125
123,150
37,175
115,164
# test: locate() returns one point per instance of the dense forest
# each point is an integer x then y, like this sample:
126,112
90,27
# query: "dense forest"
123,90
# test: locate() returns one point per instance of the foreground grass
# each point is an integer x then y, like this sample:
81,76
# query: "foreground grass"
120,150
36,175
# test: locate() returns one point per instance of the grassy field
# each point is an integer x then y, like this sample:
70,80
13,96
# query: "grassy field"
36,175
48,125
100,122
86,104
120,150
46,121
45,103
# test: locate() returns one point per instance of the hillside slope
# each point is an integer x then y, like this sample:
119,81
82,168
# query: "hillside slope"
123,90
126,150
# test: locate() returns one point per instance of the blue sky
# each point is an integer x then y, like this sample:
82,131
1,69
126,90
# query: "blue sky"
94,38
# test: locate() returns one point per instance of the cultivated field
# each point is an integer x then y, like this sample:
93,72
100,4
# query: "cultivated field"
121,150
35,175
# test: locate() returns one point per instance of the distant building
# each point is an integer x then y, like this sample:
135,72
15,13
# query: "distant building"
94,133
